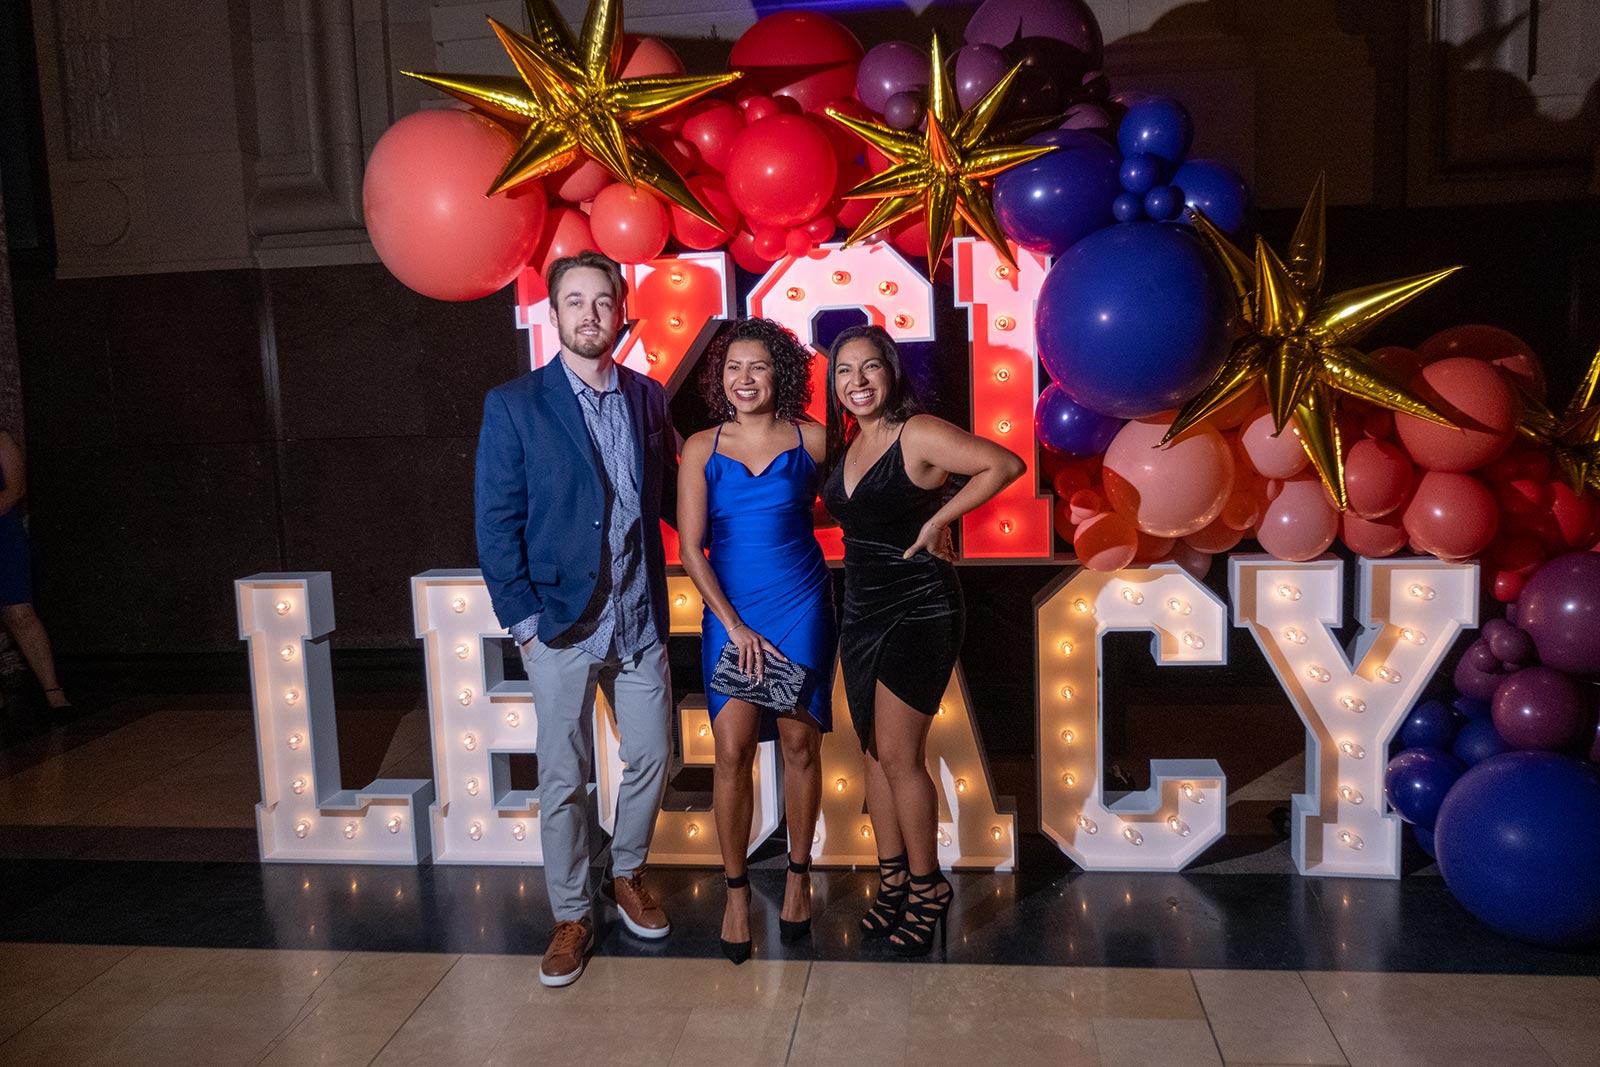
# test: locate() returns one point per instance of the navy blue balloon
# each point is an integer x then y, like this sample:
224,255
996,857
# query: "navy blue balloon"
1068,427
1216,189
1477,741
1163,202
1134,319
1127,208
1158,125
1417,781
1519,846
1141,173
1049,203
1425,841
1472,707
1431,724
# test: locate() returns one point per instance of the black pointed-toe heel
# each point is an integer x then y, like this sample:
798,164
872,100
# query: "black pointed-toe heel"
737,951
884,915
927,910
790,932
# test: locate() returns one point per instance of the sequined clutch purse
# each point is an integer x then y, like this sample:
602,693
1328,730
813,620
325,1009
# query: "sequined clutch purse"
779,688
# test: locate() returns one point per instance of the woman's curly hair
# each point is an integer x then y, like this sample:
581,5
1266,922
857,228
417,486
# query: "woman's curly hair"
791,368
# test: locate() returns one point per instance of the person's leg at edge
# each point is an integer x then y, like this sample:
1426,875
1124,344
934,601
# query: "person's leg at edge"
641,695
736,731
29,633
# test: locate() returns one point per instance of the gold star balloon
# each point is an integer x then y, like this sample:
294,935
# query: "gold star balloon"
569,101
1573,437
945,171
1298,342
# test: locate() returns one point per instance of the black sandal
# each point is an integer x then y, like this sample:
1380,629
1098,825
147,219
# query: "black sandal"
927,909
790,932
884,915
737,951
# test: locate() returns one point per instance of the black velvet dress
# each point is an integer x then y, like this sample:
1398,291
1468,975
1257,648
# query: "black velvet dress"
903,618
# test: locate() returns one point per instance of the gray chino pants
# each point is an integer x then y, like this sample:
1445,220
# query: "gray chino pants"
639,690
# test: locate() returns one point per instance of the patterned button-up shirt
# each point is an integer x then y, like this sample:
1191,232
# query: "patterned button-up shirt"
617,620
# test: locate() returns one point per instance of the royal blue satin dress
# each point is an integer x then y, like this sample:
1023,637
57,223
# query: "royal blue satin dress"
16,565
763,549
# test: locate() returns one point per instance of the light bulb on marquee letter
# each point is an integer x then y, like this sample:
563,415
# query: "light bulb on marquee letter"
1184,811
1332,832
286,618
1004,362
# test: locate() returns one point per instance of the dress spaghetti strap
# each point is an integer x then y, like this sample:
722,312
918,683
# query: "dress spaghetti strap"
717,440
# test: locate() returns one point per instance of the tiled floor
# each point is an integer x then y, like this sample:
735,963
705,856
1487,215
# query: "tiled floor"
88,1004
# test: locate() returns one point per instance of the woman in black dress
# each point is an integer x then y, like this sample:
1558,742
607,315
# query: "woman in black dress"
903,617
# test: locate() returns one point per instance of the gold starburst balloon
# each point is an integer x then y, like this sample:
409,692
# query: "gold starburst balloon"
1298,342
569,101
944,171
1573,437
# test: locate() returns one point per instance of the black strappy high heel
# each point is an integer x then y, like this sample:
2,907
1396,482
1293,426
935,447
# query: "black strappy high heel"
790,932
737,951
884,915
926,910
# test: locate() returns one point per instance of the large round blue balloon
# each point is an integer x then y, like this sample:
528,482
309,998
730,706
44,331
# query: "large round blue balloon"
1159,126
1425,840
1477,741
1518,842
1417,781
1134,319
1216,189
1048,204
1431,724
1067,427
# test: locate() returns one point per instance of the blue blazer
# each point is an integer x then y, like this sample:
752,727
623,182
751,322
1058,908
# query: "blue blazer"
540,504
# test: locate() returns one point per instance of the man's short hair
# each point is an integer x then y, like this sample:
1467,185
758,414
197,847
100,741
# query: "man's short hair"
587,258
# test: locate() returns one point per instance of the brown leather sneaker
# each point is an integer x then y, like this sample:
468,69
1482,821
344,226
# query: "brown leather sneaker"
570,943
639,909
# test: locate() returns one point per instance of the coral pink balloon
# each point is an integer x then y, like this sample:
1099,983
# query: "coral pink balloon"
1106,542
711,128
1247,503
643,57
1477,398
800,54
426,213
1216,537
579,181
1235,411
1377,477
1272,457
1152,549
1300,522
1491,345
629,225
694,233
1171,491
1451,515
566,233
1383,536
1191,559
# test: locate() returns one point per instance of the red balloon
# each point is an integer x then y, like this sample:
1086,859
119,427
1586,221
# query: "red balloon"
800,54
643,57
769,241
1152,549
566,233
1575,516
1191,559
781,170
798,243
1275,455
1401,364
1377,477
1492,345
1217,537
747,255
711,127
629,225
426,213
1451,515
692,232
1477,398
1383,536
1069,478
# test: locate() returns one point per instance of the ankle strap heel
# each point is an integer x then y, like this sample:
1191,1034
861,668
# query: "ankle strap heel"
790,932
736,952
893,886
927,909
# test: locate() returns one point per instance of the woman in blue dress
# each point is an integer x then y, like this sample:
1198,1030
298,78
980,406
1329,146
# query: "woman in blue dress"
16,578
747,490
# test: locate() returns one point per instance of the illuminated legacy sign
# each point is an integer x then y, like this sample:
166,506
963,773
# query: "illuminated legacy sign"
1411,610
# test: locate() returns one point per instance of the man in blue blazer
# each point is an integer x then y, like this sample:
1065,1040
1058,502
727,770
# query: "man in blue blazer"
577,466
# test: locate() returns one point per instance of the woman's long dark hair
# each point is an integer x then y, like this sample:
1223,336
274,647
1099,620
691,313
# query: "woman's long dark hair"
898,406
791,369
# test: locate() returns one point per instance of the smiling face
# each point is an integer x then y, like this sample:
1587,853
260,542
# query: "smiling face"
861,379
585,312
748,378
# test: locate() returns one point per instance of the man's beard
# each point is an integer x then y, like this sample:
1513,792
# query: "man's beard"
589,348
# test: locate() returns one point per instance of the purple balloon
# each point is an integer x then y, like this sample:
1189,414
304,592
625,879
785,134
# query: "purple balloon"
1086,117
978,68
1560,609
1478,674
1001,22
1509,644
1068,427
1543,709
904,111
889,68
